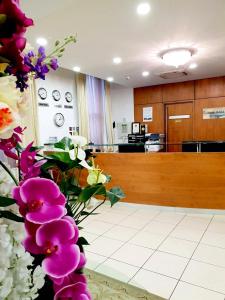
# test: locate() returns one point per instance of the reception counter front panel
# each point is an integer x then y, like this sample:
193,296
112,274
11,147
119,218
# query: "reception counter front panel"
195,180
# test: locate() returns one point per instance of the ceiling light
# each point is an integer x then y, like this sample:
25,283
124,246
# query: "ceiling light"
76,69
176,57
145,73
143,8
110,79
41,41
193,66
117,60
127,77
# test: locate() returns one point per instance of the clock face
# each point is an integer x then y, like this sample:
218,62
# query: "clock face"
68,97
42,93
59,119
56,95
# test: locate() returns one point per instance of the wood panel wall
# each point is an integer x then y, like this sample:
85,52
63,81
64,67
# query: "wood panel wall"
204,93
172,179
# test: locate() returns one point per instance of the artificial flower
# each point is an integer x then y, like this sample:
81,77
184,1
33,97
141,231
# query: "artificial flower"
56,241
29,166
6,182
78,140
8,145
77,291
40,200
70,279
95,175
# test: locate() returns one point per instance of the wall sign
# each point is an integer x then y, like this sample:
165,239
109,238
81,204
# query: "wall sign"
214,113
176,117
135,127
147,114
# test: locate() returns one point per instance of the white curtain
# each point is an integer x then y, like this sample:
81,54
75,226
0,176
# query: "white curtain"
99,107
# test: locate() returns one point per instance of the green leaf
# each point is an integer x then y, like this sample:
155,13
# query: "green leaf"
82,241
114,195
5,201
108,178
86,213
11,216
3,18
65,144
61,156
90,191
4,60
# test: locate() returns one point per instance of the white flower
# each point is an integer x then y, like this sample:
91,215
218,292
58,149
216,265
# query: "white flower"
6,182
95,176
10,101
16,280
79,140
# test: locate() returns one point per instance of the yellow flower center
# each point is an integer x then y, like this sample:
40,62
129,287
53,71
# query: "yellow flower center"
5,118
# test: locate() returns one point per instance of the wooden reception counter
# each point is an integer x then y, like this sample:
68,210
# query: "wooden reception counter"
194,180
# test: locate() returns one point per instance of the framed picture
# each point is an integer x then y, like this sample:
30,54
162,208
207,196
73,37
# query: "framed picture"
135,128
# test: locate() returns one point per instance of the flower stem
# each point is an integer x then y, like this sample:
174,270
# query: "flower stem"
9,172
78,222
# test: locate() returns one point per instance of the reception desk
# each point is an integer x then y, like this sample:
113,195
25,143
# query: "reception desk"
195,180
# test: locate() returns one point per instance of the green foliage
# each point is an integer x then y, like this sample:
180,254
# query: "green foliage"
65,144
11,216
90,191
5,201
114,195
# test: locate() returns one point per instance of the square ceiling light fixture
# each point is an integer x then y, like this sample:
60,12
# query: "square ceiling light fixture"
176,57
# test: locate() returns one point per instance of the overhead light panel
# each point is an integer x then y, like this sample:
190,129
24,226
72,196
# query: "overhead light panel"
143,8
176,57
193,66
76,69
110,79
117,60
41,41
145,73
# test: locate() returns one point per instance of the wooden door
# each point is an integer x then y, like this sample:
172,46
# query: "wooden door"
179,125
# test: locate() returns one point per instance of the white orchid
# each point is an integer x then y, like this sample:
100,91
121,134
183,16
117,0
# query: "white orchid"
11,105
78,152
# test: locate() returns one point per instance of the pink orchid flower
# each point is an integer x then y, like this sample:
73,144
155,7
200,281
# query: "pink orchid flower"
40,200
28,164
8,145
56,241
59,283
77,291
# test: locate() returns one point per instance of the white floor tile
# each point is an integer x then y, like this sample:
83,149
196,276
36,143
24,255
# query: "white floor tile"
94,260
90,237
111,217
132,254
214,239
117,270
104,246
121,233
211,255
185,233
217,227
97,227
185,291
155,283
205,275
195,222
147,239
169,217
219,218
166,264
134,222
159,227
178,247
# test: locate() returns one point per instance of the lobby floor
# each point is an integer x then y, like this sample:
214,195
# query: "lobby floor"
178,254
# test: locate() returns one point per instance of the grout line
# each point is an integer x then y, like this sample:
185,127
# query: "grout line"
191,257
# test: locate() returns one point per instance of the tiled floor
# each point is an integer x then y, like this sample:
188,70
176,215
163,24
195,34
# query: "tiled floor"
178,254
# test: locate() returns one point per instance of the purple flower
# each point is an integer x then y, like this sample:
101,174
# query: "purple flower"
40,200
29,242
77,291
54,64
8,145
56,241
28,164
70,279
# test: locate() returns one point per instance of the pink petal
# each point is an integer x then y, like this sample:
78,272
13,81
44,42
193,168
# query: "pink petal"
39,189
46,213
31,246
16,195
62,262
58,232
77,291
71,220
82,262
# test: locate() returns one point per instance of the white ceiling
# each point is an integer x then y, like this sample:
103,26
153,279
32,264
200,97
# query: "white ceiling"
109,28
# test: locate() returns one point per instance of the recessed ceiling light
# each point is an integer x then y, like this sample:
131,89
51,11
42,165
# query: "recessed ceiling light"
176,57
145,73
127,77
41,41
110,79
76,69
117,60
193,66
143,8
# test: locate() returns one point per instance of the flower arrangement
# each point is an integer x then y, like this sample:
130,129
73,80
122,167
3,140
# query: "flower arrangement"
49,195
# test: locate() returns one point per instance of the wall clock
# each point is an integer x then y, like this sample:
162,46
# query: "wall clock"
42,93
59,119
68,97
56,95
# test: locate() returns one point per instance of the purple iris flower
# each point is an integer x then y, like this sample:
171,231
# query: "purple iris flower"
56,241
54,64
40,200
